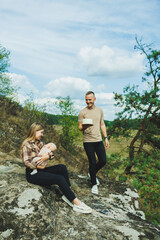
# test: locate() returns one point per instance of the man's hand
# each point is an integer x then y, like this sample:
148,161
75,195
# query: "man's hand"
80,126
106,143
83,127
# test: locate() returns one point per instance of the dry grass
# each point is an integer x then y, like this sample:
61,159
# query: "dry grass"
119,145
116,146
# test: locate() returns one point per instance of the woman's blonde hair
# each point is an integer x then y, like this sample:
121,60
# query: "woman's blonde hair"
32,132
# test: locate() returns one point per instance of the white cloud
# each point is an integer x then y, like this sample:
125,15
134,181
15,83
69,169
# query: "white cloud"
42,42
106,61
23,83
106,102
104,98
67,86
24,87
21,98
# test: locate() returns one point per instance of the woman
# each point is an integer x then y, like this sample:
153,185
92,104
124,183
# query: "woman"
57,174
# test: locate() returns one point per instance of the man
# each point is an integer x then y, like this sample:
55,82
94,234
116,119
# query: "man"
92,139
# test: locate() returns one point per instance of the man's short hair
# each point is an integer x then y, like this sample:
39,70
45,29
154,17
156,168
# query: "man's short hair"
90,92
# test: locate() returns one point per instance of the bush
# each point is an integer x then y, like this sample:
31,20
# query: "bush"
147,182
68,121
32,112
145,178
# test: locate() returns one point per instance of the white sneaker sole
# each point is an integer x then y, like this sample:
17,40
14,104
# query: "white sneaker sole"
94,192
67,201
82,210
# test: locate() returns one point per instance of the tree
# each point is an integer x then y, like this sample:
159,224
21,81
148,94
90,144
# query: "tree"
6,88
68,121
32,112
144,105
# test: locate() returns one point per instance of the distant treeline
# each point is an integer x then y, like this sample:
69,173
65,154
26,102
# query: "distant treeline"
14,108
56,120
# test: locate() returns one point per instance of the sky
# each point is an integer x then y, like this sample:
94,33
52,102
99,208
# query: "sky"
67,47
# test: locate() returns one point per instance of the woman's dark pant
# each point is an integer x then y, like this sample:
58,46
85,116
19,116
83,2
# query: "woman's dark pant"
91,148
57,174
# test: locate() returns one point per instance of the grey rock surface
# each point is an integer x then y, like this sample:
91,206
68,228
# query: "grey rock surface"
30,212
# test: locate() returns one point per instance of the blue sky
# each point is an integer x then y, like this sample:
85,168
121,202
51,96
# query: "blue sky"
61,48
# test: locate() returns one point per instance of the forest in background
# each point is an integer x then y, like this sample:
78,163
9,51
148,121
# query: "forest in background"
135,132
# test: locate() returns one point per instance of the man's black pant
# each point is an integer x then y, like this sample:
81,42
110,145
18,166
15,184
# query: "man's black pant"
91,148
57,174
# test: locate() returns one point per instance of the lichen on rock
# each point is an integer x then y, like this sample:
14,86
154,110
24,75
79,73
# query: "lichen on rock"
29,211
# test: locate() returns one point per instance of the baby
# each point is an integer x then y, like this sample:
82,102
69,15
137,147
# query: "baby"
47,148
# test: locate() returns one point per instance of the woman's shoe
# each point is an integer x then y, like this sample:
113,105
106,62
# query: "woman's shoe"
82,208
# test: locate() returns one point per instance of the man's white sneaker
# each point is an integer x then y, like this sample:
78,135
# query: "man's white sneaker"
97,181
67,201
82,208
94,189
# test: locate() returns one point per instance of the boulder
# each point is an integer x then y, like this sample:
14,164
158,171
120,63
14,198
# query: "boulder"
30,212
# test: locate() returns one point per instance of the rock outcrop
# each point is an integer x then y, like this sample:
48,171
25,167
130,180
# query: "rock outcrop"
30,212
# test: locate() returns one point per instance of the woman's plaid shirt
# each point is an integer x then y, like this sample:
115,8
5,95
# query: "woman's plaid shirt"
30,150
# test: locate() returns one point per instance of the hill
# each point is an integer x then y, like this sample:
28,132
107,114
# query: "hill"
116,211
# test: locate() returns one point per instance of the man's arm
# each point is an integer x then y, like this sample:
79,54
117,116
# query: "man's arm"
104,132
80,126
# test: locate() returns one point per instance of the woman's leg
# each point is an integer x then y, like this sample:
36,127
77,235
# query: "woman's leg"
59,169
47,178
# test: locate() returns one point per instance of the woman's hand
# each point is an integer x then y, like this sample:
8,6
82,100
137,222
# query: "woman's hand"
42,159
